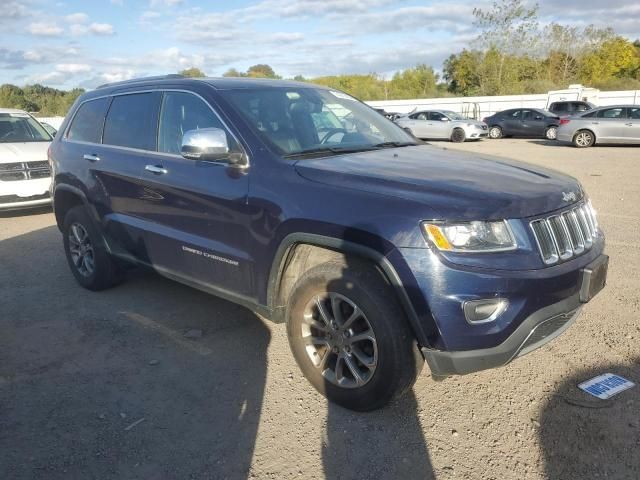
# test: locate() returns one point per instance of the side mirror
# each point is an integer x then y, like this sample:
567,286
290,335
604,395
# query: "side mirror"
444,119
538,117
207,144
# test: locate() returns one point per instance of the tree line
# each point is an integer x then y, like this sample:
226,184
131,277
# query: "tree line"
513,54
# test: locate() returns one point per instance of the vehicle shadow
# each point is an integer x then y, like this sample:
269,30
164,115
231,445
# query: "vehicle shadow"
385,444
26,212
106,385
549,143
584,437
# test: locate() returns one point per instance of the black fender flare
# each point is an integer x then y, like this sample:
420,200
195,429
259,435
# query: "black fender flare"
423,332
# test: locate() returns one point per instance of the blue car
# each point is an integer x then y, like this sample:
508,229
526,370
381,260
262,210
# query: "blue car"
311,209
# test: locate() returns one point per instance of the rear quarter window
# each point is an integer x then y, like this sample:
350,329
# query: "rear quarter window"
88,121
131,121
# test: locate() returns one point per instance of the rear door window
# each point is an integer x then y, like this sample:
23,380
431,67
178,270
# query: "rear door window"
560,107
88,121
131,121
617,112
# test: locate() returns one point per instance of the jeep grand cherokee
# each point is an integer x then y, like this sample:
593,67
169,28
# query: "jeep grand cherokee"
310,208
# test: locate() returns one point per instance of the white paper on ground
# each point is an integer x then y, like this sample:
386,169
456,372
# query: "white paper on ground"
606,386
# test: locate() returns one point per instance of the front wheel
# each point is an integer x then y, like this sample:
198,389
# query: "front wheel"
458,135
495,132
551,133
583,139
350,336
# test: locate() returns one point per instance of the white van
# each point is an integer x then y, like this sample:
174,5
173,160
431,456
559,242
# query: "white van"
25,175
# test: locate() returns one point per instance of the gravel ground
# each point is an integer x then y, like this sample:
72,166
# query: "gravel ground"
106,385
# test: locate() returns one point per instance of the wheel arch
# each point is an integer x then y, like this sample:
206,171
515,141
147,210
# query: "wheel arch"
66,197
300,251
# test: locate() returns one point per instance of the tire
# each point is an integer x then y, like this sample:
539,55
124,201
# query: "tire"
458,135
386,367
551,133
583,139
495,132
88,259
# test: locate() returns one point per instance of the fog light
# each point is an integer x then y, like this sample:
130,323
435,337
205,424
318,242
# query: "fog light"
485,310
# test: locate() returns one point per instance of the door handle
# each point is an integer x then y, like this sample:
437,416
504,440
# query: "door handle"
155,169
629,124
91,157
595,123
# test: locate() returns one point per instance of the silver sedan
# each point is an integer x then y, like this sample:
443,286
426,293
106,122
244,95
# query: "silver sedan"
442,124
612,124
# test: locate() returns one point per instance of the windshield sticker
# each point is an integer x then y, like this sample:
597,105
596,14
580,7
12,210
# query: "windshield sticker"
341,95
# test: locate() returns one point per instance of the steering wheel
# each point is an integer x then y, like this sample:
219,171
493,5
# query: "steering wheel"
331,132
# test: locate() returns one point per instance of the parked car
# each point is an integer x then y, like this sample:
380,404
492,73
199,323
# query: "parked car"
25,175
523,122
442,124
612,124
573,107
376,251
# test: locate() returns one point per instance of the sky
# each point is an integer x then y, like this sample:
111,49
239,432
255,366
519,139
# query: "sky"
70,43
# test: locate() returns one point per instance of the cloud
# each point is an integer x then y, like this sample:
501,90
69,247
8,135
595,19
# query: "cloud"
13,11
73,68
93,28
164,3
77,18
45,29
286,37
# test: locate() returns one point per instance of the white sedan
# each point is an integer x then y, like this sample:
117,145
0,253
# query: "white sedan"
25,175
442,124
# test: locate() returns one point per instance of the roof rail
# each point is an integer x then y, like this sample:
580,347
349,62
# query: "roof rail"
142,79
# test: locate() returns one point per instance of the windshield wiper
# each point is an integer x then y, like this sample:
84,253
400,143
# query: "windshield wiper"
394,144
329,150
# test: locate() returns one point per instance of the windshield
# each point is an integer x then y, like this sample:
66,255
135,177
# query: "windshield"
454,115
298,121
20,128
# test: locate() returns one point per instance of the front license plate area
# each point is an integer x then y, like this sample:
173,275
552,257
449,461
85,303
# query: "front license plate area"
594,278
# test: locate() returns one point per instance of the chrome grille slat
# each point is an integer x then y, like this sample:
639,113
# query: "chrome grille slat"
565,235
11,172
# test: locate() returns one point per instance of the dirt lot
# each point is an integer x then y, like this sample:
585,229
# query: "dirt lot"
105,385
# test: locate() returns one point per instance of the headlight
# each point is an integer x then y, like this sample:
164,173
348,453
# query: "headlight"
471,236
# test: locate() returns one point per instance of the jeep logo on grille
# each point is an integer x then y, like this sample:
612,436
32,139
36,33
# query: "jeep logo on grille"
569,196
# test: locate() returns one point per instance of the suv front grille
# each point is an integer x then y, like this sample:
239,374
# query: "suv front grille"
10,172
565,235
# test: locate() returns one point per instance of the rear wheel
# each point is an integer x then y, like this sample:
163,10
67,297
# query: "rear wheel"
350,336
583,139
495,132
458,135
88,259
551,133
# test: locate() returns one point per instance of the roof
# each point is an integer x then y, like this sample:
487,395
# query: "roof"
11,110
224,83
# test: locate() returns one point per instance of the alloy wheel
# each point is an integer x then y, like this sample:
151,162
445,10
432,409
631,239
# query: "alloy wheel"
495,132
81,250
584,139
552,133
339,340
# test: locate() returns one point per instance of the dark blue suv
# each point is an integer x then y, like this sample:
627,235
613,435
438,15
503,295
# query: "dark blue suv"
310,208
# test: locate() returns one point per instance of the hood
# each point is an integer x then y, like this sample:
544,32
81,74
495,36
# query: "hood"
23,152
452,185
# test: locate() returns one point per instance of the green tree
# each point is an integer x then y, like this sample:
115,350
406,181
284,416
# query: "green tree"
192,72
615,58
261,70
417,82
232,72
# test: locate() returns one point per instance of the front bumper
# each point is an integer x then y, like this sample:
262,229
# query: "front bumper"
24,194
536,330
